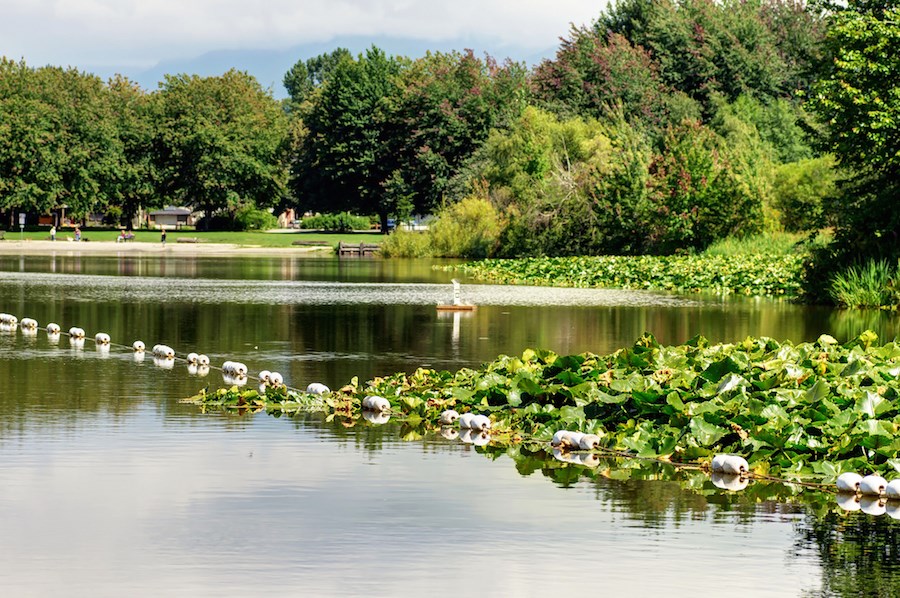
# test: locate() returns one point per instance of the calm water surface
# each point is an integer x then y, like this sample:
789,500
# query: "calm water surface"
111,486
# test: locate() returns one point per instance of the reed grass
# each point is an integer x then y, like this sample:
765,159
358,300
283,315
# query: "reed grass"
868,285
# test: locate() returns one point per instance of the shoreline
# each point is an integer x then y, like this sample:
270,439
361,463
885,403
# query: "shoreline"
112,248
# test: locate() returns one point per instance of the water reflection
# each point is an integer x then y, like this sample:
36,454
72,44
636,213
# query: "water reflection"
111,479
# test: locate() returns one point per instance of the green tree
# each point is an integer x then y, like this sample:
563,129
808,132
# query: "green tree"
221,143
858,98
344,159
133,186
306,76
445,108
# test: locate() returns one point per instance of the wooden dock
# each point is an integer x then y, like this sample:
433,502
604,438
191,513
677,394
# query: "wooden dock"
360,250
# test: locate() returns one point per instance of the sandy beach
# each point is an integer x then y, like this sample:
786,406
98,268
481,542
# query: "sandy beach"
26,247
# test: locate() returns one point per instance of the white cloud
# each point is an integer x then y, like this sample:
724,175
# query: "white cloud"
146,31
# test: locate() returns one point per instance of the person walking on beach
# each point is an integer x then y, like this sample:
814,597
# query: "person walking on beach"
163,236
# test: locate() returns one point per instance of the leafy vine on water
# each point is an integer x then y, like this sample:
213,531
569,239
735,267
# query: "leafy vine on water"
811,410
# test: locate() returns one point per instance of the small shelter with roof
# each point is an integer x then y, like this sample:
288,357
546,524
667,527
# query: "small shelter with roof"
171,217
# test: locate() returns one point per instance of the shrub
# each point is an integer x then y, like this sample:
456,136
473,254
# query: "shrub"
343,222
249,218
469,228
802,190
406,243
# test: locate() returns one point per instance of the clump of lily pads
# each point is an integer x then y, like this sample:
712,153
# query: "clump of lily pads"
811,410
751,274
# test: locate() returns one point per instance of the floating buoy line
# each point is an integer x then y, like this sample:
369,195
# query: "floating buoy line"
233,373
870,494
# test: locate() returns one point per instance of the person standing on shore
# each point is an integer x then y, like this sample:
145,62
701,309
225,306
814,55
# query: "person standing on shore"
53,233
77,234
163,236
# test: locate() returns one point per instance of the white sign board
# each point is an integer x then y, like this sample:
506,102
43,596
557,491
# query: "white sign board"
21,219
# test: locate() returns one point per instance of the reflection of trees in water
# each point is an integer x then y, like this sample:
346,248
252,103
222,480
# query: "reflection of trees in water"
859,553
846,324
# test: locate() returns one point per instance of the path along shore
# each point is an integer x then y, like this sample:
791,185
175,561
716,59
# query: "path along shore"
63,247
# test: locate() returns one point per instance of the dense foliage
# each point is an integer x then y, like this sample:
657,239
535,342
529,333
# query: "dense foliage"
663,126
762,275
812,409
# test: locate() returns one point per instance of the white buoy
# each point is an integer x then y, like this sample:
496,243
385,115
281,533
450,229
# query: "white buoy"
872,505
465,421
736,465
276,379
872,485
29,323
101,338
559,437
480,422
192,358
264,377
377,404
573,440
163,352
892,490
76,332
9,319
893,509
718,463
589,442
29,332
53,328
848,482
138,346
203,360
729,481
317,389
448,417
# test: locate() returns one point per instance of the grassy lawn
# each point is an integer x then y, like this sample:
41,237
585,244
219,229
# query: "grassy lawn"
250,239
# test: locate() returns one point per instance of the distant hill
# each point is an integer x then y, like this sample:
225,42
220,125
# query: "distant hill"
269,66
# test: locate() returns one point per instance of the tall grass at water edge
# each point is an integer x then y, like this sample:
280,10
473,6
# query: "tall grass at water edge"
780,243
872,284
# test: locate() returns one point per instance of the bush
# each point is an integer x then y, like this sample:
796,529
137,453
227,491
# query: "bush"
469,228
802,189
249,218
406,243
344,222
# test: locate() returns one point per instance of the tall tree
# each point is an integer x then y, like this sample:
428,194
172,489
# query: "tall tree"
344,160
133,186
858,99
222,142
305,77
447,105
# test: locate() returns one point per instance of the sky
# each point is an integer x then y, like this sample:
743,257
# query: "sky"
135,35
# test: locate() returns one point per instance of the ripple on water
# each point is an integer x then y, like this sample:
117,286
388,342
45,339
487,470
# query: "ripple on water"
116,288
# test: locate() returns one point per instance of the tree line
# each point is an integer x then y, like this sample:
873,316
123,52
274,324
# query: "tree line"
662,126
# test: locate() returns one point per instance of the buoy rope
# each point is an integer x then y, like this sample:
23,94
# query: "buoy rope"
128,348
702,466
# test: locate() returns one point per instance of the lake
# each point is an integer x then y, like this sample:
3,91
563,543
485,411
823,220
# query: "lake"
111,486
